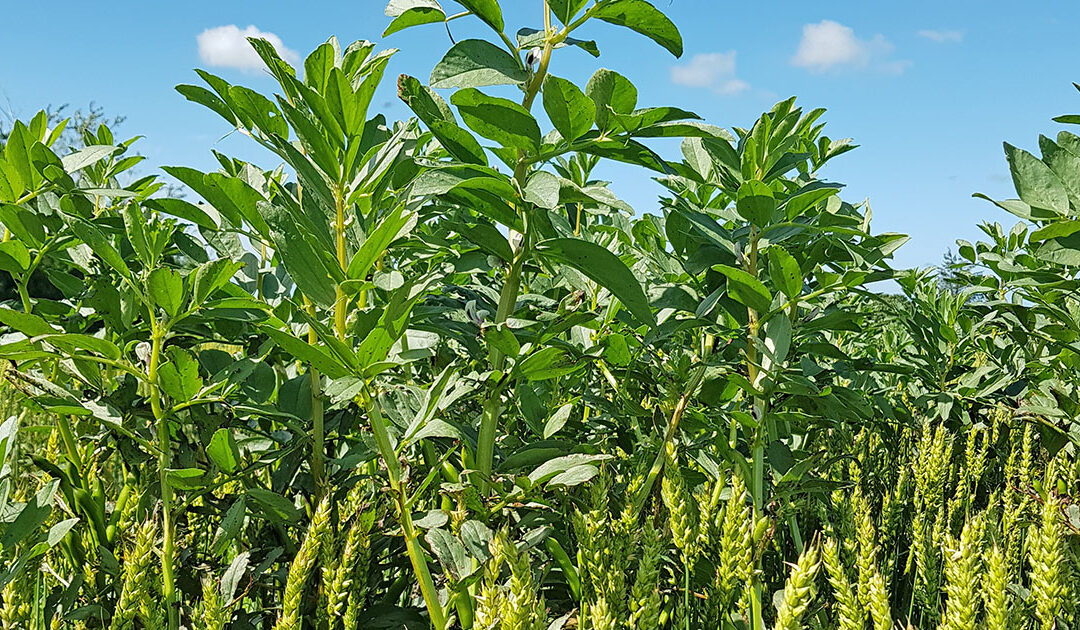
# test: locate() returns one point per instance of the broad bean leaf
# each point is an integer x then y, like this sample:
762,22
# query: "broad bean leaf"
166,288
565,10
407,13
477,63
570,111
1036,184
745,288
610,92
604,268
498,119
640,16
784,271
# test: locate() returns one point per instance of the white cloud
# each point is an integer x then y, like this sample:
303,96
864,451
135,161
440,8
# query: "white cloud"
942,37
227,47
710,70
828,44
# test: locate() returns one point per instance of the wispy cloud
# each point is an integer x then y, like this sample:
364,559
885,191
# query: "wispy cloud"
710,70
941,37
227,47
830,45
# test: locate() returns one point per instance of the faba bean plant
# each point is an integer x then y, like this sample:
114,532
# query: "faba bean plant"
433,373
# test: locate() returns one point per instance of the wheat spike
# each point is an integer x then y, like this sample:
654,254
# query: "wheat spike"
302,567
799,590
849,614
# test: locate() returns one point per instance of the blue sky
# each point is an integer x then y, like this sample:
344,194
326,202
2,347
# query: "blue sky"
929,90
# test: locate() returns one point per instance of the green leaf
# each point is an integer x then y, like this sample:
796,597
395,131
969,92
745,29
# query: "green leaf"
186,478
14,257
755,202
549,469
74,342
32,516
488,238
617,351
392,323
1055,230
135,225
27,323
1036,184
477,538
223,451
306,267
533,38
745,288
306,353
89,233
166,289
477,63
425,103
604,268
574,476
230,526
640,16
206,98
546,363
392,227
566,10
183,210
557,421
486,10
1064,164
407,13
784,271
502,339
86,156
569,109
179,378
543,189
276,507
230,580
211,276
23,224
458,142
498,119
611,92
451,553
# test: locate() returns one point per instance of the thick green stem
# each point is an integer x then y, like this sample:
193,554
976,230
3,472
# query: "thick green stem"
24,295
168,545
669,435
417,557
489,421
318,437
341,300
757,485
485,440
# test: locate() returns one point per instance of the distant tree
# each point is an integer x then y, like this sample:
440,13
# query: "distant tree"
80,122
956,274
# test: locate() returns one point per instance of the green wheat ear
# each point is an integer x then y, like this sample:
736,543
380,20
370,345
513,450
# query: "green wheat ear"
1047,559
849,614
963,571
211,611
302,567
645,600
799,590
994,590
136,585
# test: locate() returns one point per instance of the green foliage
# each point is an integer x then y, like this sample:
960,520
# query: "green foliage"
386,384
